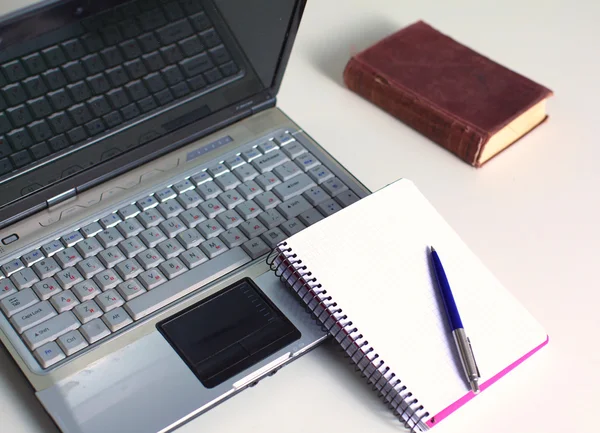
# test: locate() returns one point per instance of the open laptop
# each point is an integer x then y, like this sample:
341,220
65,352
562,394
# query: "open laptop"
145,173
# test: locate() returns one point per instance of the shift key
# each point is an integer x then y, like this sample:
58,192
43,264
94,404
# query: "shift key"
50,329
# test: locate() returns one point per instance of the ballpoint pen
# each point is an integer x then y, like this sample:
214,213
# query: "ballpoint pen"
463,344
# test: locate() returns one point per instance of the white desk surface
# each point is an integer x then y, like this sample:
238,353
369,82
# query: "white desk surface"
532,215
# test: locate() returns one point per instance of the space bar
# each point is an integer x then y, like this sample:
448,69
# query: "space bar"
178,287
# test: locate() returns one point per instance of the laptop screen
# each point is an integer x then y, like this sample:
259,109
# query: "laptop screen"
89,88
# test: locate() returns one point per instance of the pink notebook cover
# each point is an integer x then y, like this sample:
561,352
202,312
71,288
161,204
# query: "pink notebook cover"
437,418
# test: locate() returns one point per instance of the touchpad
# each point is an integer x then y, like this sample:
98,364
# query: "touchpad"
228,332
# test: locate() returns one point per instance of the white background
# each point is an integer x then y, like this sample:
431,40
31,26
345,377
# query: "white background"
532,215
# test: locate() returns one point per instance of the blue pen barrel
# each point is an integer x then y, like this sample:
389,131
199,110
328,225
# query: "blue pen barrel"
449,304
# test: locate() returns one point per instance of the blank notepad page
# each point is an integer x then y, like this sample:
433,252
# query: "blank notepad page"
373,259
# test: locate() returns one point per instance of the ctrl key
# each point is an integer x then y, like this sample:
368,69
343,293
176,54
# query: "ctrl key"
49,354
72,342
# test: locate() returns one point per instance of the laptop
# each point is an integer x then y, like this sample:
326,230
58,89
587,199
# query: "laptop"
145,174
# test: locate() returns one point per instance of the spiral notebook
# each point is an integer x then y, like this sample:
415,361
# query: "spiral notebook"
364,274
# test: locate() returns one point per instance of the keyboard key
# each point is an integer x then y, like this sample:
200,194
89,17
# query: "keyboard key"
49,354
147,104
196,65
192,217
64,301
251,154
74,71
19,116
148,42
227,181
128,211
86,290
129,28
80,114
116,319
67,257
71,342
196,83
170,208
88,247
52,248
154,82
14,94
99,106
220,54
233,237
87,311
271,218
229,219
172,227
118,99
129,269
14,71
113,119
213,75
5,166
51,329
252,228
191,46
94,330
152,279
131,227
180,89
267,146
92,42
135,68
132,247
60,122
131,50
256,247
292,226
346,198
267,181
35,86
150,218
248,209
109,300
68,278
310,217
210,228
5,126
152,237
6,288
61,142
111,35
273,237
200,178
117,76
230,199
32,316
293,187
329,207
107,280
73,49
34,63
11,267
46,288
109,237
190,238
213,247
174,31
163,97
32,257
89,267
189,199
320,174
267,200
111,256
295,206
249,190
46,268
150,258
95,127
54,56
193,257
200,21
55,78
209,190
130,289
172,75
316,195
245,172
91,229
287,171
17,302
147,203
228,69
152,19
24,278
211,208
334,186
307,161
172,268
40,150
283,138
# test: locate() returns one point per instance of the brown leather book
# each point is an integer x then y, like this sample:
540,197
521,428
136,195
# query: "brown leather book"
465,102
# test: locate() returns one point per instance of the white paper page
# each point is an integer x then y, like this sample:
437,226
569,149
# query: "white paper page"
373,259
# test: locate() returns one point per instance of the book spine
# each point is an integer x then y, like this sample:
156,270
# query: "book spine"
441,127
404,405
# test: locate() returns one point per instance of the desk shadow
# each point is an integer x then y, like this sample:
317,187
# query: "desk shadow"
19,389
331,59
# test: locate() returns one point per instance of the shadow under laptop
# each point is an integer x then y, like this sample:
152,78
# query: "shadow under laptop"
331,58
16,386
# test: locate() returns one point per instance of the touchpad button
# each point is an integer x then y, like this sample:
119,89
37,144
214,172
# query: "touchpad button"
228,332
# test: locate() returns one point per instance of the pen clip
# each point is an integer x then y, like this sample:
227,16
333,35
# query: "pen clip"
473,357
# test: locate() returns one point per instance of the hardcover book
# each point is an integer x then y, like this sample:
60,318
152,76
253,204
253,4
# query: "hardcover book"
461,100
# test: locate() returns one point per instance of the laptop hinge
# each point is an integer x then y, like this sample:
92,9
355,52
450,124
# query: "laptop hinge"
61,197
263,105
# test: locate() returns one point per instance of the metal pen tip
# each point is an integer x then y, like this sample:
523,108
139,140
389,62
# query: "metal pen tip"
475,386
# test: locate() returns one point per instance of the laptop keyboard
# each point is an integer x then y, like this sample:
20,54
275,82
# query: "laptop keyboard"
112,70
74,292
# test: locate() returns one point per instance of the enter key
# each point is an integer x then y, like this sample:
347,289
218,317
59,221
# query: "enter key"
294,187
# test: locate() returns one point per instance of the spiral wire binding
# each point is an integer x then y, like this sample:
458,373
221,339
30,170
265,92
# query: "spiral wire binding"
288,267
